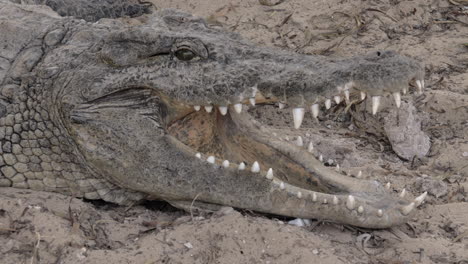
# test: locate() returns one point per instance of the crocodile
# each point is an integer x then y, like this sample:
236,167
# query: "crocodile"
98,105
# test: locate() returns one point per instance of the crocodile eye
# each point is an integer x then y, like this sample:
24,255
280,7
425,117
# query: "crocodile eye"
185,54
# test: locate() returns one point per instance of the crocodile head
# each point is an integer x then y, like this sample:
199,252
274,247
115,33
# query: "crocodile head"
160,108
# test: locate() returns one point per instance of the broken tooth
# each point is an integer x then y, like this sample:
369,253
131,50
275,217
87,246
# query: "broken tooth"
315,110
363,95
298,116
197,107
269,174
223,110
310,148
375,104
335,200
226,164
241,166
281,105
360,209
255,167
327,104
350,202
405,210
403,193
208,108
299,141
252,101
420,199
282,186
238,108
380,212
397,98
198,155
211,159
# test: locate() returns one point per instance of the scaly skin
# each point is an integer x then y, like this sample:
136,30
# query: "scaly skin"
109,111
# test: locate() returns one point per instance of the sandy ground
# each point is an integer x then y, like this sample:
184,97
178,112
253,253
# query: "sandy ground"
40,227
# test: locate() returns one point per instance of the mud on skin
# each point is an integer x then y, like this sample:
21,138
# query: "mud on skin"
157,110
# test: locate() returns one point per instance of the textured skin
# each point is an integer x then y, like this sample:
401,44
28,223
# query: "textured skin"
89,109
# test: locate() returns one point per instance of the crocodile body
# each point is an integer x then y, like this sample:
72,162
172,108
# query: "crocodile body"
156,109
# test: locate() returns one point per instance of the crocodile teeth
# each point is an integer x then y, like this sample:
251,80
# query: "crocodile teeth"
380,212
315,110
388,185
298,116
375,104
198,155
226,164
299,195
337,99
346,94
299,141
350,202
335,200
255,167
282,186
252,101
327,104
209,108
420,86
269,174
197,107
241,166
405,210
281,105
403,193
337,168
363,95
238,108
211,159
223,110
360,209
314,197
420,199
310,148
359,175
397,98
404,91
321,158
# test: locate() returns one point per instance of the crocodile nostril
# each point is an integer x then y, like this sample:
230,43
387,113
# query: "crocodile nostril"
379,53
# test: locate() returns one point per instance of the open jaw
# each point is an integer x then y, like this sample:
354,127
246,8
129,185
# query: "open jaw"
286,178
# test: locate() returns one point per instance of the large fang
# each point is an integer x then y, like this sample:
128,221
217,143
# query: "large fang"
269,174
255,167
327,104
299,141
298,116
315,110
397,98
252,101
405,210
223,110
350,202
375,104
238,108
403,193
241,166
420,199
420,86
209,108
337,99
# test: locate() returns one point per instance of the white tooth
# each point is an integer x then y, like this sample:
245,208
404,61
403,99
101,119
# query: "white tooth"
359,175
281,105
211,159
360,209
405,210
252,101
337,99
380,212
327,104
255,167
337,167
335,200
238,108
310,148
397,98
208,108
286,138
404,91
299,141
223,110
198,155
315,110
269,174
388,185
282,186
420,199
423,85
298,116
420,86
346,94
350,202
299,195
197,107
403,193
314,197
241,166
363,95
325,201
375,104
226,164
321,158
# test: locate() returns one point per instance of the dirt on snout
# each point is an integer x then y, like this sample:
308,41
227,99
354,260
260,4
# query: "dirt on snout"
37,227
